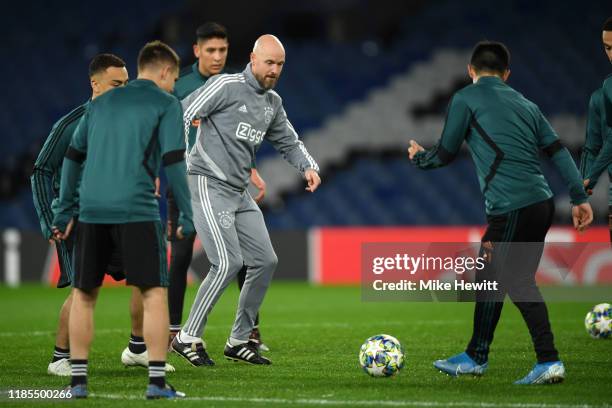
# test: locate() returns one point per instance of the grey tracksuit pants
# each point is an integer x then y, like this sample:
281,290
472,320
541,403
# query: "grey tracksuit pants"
233,233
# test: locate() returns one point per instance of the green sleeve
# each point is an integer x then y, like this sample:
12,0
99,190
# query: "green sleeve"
71,174
564,163
177,179
604,159
254,163
593,140
48,163
170,129
456,126
173,158
562,160
607,101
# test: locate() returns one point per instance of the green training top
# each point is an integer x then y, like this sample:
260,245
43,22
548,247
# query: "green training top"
597,133
123,138
504,132
604,159
47,172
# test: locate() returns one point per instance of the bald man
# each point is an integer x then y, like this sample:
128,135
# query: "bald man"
237,112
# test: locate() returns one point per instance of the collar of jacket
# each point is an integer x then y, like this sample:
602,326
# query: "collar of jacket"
490,79
252,81
195,68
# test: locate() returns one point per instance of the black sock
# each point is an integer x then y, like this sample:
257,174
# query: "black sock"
79,372
157,373
59,353
137,344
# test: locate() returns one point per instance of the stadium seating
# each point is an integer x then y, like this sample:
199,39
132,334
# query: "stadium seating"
357,97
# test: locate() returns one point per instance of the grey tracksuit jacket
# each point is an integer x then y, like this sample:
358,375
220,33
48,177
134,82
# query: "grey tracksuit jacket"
237,114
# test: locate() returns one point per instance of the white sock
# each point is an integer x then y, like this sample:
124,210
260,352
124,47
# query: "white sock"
235,342
186,338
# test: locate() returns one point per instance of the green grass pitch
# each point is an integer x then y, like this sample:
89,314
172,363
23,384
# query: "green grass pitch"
314,334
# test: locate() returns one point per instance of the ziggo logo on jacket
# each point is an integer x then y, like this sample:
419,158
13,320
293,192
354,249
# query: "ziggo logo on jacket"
245,131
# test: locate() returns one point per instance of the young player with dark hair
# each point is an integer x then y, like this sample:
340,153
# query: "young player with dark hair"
122,139
597,130
505,132
211,49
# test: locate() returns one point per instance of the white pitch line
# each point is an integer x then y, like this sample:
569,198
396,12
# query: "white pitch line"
364,403
332,325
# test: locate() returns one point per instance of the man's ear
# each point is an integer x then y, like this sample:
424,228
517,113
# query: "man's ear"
165,72
95,87
506,75
471,71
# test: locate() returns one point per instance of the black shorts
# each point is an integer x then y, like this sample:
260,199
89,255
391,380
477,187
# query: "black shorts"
141,247
65,258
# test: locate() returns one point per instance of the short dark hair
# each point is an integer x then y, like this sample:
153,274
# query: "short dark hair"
607,25
102,62
157,53
210,30
490,56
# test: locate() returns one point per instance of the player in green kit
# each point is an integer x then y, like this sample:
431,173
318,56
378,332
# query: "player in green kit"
597,131
106,72
505,133
117,149
211,50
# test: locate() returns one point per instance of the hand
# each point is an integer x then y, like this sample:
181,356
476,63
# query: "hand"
582,216
62,236
586,183
260,184
414,149
179,232
313,180
185,227
157,184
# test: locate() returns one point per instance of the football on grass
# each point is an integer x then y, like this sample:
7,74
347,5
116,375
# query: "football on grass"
381,356
598,321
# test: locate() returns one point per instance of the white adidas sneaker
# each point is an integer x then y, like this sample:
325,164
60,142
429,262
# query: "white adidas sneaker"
60,368
130,359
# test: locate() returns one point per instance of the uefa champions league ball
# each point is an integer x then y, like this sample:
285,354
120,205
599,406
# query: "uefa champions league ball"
598,321
381,356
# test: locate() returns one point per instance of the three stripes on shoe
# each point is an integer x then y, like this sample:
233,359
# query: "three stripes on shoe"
244,353
188,351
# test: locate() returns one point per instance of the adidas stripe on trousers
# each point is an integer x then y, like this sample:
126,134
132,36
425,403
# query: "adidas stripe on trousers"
233,233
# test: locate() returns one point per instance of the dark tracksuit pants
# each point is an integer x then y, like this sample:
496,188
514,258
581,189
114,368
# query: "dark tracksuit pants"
514,267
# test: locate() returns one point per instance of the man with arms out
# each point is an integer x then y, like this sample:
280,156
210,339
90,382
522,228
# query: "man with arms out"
211,51
599,129
122,139
505,133
237,113
106,72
